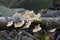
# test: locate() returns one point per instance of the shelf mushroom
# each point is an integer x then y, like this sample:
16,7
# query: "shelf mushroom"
17,20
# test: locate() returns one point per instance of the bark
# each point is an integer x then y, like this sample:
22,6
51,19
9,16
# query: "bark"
50,23
45,22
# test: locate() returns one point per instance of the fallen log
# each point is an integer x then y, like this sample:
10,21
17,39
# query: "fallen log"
50,13
6,22
51,23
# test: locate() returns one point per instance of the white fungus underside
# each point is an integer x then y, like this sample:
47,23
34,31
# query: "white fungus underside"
18,24
10,23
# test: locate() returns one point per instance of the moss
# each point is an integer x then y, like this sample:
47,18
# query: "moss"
37,20
42,36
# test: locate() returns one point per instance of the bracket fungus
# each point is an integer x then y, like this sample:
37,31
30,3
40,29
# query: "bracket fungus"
10,23
18,22
37,28
52,30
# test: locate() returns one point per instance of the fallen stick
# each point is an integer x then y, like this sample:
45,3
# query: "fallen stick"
29,35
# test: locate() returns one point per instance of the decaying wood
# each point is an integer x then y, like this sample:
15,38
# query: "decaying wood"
48,22
10,21
49,13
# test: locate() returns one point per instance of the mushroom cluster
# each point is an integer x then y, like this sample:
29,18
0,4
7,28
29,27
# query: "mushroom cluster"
25,21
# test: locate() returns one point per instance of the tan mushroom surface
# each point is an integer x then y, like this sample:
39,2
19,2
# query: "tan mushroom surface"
37,28
10,23
19,23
